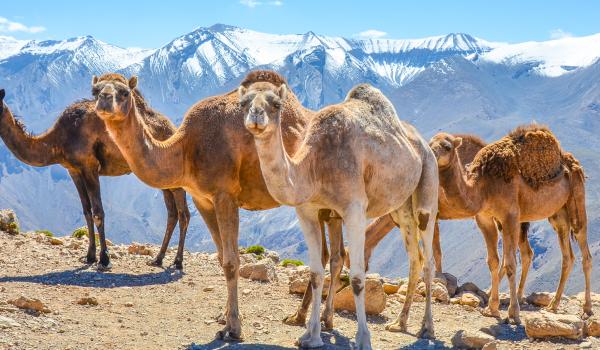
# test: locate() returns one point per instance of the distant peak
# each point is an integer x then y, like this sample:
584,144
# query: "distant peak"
220,27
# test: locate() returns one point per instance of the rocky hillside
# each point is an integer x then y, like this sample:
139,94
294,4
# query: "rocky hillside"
50,300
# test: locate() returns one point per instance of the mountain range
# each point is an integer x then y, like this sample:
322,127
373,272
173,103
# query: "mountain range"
455,83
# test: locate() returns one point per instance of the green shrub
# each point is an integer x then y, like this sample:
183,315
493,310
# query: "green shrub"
13,228
287,262
255,249
46,233
80,232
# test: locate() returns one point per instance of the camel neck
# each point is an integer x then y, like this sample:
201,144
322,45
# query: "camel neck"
39,150
157,163
460,192
287,178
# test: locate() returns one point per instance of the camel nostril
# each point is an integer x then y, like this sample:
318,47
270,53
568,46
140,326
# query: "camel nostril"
104,96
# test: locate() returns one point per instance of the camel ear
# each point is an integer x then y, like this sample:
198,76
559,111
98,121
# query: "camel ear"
2,94
133,82
94,80
241,92
282,92
457,142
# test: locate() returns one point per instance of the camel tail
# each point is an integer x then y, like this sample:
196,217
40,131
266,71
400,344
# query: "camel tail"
576,202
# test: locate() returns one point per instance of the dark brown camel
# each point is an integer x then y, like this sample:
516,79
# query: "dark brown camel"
79,142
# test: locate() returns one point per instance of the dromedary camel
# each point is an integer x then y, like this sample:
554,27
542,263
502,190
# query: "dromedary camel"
524,176
79,142
213,157
451,207
360,160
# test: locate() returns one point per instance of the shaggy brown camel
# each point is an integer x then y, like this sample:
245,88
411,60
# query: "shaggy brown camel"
79,142
334,168
213,158
450,208
524,176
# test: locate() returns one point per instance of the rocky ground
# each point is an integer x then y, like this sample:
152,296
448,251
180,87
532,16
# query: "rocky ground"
135,306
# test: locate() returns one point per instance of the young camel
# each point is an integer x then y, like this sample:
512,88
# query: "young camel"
451,207
212,156
79,142
524,176
335,168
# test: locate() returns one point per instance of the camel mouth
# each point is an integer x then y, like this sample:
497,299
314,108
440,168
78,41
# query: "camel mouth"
255,128
104,109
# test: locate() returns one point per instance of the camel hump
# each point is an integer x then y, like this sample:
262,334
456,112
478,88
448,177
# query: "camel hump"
365,92
267,76
531,151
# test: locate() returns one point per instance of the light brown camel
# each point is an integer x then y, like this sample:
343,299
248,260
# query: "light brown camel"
523,177
79,142
213,157
451,208
335,168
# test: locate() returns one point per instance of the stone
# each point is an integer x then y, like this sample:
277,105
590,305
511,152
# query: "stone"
7,322
549,325
471,339
438,291
472,287
490,346
92,301
208,288
375,298
56,241
504,299
298,284
9,222
30,304
541,299
139,249
451,284
592,326
585,345
390,288
128,304
403,289
274,256
246,291
260,271
470,299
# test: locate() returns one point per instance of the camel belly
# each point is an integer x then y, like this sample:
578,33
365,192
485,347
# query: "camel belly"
544,202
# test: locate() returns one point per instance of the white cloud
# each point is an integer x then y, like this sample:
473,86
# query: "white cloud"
10,26
254,3
371,34
559,34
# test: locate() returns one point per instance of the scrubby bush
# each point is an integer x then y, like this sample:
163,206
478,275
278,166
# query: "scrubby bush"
255,249
80,232
287,262
46,233
13,228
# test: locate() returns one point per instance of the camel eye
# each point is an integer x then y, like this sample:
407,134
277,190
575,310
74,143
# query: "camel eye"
277,105
447,146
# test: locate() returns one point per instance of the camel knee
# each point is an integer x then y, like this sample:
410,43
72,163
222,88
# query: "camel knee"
230,269
184,216
510,269
357,285
316,278
98,218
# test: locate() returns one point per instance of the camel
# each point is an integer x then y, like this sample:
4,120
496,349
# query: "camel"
523,177
451,208
334,168
78,141
213,157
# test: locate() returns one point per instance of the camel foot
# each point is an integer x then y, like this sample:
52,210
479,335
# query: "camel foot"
295,320
228,336
586,314
309,341
396,327
156,262
487,312
177,265
106,267
426,332
512,320
88,259
551,308
327,324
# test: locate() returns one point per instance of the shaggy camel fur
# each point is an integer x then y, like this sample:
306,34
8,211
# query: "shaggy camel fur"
213,157
79,142
335,168
501,189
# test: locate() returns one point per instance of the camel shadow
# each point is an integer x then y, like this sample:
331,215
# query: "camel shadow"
374,319
333,341
84,277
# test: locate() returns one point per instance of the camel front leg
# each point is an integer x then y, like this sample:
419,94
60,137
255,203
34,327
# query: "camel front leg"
227,214
92,184
526,257
183,215
171,223
336,263
490,234
309,222
510,236
560,223
437,248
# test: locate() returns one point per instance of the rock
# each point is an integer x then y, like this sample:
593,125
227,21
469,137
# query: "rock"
128,304
585,345
592,326
274,256
438,291
9,222
55,241
470,299
87,301
451,284
139,249
490,346
260,271
246,291
471,339
298,284
375,298
504,299
540,298
403,289
247,259
390,288
548,325
472,287
455,301
74,245
7,322
30,304
208,288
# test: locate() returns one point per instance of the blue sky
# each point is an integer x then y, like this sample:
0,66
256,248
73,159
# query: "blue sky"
153,23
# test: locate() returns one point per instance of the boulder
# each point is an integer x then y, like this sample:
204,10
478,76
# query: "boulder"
470,299
471,339
260,271
592,326
139,249
298,284
375,298
540,298
87,301
9,222
438,291
390,288
472,287
55,241
273,256
451,284
30,304
549,325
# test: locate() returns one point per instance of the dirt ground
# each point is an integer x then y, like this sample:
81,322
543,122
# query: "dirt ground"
143,307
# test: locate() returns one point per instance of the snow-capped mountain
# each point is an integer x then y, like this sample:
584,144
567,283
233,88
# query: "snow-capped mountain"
454,82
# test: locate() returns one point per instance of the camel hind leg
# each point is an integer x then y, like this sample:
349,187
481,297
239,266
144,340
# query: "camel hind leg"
171,223
336,263
560,223
183,216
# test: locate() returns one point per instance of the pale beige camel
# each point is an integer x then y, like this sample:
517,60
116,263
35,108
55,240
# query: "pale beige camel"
358,159
524,176
213,157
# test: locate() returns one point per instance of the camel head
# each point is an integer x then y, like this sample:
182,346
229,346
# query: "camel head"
444,147
114,96
262,103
